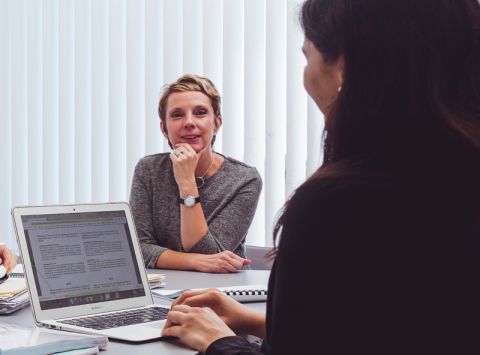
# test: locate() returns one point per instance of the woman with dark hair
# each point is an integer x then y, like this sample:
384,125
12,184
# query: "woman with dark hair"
388,229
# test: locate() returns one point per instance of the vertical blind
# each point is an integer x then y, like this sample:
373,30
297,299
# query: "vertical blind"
80,83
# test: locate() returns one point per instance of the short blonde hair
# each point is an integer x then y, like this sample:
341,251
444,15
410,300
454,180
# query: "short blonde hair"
189,82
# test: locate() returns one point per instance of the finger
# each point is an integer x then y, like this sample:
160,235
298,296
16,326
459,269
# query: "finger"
173,157
177,315
228,267
10,261
183,309
237,264
209,299
237,260
188,294
171,331
184,147
247,261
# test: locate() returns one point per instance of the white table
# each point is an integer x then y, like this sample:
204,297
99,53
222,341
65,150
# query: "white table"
175,280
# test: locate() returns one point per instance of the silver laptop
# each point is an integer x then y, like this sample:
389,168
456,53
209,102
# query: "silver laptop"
85,271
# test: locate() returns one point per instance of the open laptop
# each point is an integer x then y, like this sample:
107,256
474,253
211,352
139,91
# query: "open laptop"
85,271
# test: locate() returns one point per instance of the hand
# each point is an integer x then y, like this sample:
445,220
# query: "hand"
222,262
7,258
194,326
185,160
238,317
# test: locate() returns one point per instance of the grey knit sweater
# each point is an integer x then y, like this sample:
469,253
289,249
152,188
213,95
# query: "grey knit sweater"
229,199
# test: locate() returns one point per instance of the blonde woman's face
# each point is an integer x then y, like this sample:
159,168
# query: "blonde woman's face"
190,119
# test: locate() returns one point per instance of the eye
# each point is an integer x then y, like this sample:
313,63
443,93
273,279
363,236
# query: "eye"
201,111
176,114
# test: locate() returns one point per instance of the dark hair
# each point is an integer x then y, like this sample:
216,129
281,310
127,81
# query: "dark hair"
411,87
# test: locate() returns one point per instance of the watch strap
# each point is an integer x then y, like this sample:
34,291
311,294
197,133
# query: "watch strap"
182,200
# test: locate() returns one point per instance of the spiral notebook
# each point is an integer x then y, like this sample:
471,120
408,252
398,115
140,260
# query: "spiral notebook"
245,293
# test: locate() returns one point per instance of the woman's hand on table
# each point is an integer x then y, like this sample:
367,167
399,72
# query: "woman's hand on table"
223,262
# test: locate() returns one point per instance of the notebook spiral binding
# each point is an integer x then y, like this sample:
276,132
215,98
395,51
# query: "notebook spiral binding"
16,274
247,293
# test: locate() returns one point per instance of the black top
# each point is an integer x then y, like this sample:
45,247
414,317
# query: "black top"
376,265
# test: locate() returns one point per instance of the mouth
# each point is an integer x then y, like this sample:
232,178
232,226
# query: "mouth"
190,137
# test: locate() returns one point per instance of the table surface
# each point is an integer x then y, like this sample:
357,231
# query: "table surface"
175,280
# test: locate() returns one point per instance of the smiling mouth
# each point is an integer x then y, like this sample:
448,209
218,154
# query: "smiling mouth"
189,138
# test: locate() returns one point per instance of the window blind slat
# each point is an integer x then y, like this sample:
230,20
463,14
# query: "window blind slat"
275,116
172,44
135,84
117,100
67,102
213,49
154,55
35,101
50,102
19,108
100,101
232,133
83,101
6,119
296,156
254,103
192,37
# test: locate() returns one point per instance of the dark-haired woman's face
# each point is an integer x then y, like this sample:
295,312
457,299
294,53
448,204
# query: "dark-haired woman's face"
321,80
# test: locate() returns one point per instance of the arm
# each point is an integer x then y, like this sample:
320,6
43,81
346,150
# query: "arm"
203,318
141,204
159,256
222,262
230,223
240,318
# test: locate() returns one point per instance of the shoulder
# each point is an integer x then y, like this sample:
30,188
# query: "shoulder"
153,161
153,167
342,204
239,170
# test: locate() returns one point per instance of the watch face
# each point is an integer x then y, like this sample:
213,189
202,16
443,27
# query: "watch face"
189,201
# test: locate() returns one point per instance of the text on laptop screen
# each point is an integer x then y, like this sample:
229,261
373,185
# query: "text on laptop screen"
82,258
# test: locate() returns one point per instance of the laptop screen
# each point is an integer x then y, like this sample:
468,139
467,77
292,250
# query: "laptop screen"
82,258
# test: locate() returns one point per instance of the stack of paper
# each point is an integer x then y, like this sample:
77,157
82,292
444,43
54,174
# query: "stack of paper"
15,339
13,293
156,280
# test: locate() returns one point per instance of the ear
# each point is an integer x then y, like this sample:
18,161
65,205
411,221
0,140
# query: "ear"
340,69
163,129
218,123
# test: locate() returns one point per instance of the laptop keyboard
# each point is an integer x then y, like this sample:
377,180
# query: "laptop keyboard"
121,319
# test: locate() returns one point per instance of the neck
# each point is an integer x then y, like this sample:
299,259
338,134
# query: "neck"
205,164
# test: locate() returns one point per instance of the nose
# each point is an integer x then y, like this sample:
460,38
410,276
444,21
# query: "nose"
189,122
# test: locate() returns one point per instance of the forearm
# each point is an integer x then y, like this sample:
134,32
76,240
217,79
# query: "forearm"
253,324
193,226
171,259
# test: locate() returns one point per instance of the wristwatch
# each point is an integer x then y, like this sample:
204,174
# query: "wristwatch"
189,201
